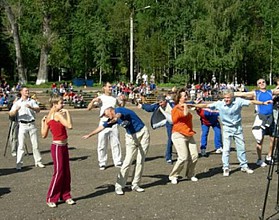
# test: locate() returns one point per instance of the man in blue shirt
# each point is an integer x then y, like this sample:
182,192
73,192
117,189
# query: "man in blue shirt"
137,143
230,114
264,123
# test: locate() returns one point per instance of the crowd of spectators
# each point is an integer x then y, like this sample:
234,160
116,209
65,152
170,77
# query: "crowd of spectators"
212,91
8,93
135,93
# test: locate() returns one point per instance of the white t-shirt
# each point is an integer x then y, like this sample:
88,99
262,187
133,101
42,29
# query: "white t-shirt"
107,101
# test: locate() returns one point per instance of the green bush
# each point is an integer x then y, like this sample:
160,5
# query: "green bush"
179,79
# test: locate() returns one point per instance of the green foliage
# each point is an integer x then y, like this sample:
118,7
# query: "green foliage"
180,79
231,38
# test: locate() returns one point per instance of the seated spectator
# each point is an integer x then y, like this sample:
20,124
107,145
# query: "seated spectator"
3,100
66,97
62,89
34,97
131,97
18,86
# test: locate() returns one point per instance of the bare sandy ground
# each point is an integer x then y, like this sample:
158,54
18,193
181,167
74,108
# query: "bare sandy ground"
239,196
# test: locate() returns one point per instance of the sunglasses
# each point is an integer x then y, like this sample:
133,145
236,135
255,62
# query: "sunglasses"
262,82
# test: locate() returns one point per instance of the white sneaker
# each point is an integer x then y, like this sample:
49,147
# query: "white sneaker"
261,163
226,172
118,165
51,204
40,164
269,160
70,202
174,181
219,150
194,179
247,170
102,167
119,191
137,189
203,152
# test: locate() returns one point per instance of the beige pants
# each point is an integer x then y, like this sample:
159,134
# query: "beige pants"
187,153
136,147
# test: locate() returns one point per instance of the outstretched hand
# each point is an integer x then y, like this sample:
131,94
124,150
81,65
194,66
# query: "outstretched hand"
86,136
268,102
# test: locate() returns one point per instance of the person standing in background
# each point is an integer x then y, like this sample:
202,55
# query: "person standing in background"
26,108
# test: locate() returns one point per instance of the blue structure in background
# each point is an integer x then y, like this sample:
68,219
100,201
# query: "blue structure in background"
82,82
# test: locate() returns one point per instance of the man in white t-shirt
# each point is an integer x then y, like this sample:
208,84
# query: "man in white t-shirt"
145,78
108,135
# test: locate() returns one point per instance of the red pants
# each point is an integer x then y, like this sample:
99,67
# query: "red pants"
60,185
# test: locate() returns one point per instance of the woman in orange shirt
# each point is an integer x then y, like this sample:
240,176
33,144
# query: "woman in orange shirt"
183,139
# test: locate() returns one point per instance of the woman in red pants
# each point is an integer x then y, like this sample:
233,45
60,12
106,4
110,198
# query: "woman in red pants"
57,120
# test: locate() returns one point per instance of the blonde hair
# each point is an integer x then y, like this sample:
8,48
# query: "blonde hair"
54,100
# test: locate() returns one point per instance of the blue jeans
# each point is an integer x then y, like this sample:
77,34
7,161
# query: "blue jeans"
217,135
236,133
168,154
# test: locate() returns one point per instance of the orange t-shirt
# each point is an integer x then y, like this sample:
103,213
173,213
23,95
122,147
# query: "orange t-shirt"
181,123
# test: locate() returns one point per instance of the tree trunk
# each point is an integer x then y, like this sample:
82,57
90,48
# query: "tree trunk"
22,78
100,78
43,73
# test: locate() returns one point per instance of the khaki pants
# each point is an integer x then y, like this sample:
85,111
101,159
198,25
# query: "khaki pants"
136,147
187,153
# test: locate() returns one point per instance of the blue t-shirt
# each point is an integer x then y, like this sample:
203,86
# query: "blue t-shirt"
133,123
263,97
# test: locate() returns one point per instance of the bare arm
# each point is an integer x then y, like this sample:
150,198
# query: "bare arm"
244,94
96,131
66,121
44,127
91,104
186,109
275,91
199,105
256,102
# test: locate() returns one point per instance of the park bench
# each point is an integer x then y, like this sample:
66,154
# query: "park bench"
4,108
87,97
150,99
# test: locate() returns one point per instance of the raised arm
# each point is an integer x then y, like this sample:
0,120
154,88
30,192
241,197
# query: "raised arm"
44,127
91,104
275,91
65,118
198,105
256,102
244,94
